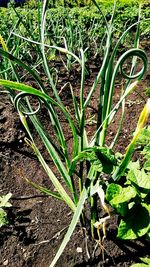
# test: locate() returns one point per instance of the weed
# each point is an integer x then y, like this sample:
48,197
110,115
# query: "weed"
4,203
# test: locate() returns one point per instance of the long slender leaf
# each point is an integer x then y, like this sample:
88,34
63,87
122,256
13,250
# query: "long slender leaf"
72,226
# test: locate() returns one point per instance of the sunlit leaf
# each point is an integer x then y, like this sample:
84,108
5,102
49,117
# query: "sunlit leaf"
4,201
3,217
136,223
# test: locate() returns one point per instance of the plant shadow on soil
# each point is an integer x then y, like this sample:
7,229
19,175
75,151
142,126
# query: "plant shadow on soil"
37,222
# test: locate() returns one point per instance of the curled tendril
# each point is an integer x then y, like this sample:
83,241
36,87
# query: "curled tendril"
132,52
109,90
19,105
135,52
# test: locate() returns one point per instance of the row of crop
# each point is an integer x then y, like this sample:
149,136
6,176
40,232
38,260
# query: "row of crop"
72,28
82,3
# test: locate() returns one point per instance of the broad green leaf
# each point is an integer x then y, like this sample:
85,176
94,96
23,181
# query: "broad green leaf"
134,165
125,231
3,217
139,178
145,264
107,159
91,157
101,158
139,265
136,223
144,137
96,166
125,195
145,260
4,201
147,165
146,150
112,191
119,197
85,155
144,140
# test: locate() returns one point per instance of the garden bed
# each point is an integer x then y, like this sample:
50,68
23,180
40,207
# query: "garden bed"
38,222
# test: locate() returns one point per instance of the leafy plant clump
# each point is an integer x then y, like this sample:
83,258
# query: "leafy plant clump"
144,142
132,200
4,203
84,173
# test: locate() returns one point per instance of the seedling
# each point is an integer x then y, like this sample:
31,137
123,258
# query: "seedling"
4,203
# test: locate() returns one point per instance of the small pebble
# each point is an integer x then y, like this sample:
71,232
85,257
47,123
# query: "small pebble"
5,263
79,249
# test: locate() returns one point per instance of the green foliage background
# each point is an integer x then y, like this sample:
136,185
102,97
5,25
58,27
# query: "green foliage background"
81,3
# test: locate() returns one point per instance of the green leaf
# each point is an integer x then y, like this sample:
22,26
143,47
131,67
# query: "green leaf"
44,190
144,140
145,264
106,157
125,195
101,158
3,218
144,137
91,157
116,194
85,155
4,201
147,165
112,191
136,223
119,197
54,179
145,260
140,178
72,226
24,66
139,265
134,165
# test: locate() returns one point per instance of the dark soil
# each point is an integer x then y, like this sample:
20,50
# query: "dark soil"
37,222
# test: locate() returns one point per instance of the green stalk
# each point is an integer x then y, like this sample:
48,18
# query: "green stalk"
132,52
93,203
49,172
103,92
43,21
120,125
54,118
134,60
111,115
82,125
94,216
28,90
